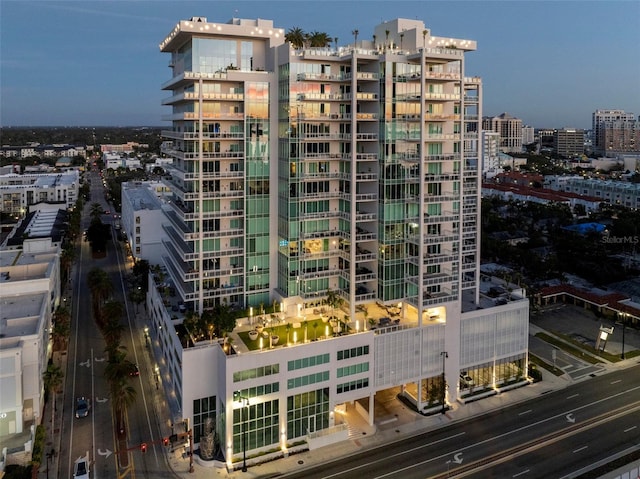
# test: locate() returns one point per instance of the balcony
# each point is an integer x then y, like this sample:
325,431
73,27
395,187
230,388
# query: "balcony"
194,135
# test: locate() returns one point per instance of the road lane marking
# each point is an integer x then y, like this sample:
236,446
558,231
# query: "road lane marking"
580,449
616,381
526,471
630,428
573,396
386,458
524,412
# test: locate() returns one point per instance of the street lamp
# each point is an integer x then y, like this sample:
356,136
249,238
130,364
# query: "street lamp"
245,404
444,406
624,324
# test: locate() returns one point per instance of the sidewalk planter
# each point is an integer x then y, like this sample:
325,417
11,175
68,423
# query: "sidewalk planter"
475,397
253,335
519,384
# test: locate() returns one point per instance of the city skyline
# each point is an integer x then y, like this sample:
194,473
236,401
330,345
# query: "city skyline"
550,64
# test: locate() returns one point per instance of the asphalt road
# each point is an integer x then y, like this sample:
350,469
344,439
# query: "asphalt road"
86,360
564,432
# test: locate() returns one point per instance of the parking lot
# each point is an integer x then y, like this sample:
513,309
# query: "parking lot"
581,325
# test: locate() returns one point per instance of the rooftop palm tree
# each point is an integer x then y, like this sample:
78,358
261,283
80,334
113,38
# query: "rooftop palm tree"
223,319
333,300
296,37
355,37
319,39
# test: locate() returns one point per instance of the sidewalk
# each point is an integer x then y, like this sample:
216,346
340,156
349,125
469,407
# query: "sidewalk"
406,426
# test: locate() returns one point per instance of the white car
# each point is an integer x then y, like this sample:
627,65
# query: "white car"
81,467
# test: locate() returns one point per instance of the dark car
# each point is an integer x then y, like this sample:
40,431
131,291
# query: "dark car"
134,371
82,407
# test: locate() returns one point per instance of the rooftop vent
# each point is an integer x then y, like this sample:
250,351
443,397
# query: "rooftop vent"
199,19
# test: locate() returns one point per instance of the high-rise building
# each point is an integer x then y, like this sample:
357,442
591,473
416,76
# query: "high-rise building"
615,131
528,135
490,153
509,128
311,180
568,142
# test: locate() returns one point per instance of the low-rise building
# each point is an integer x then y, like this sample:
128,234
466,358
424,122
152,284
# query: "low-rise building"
609,191
29,294
20,192
143,221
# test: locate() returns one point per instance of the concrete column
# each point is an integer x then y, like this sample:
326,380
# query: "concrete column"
372,398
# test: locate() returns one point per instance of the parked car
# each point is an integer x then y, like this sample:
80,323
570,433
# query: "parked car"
134,371
82,407
466,379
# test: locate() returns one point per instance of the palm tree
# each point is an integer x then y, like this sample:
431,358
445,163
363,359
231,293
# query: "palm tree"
223,320
100,286
116,352
67,256
96,211
288,328
207,323
118,369
296,37
424,38
386,41
191,324
113,310
60,334
319,39
355,37
333,300
137,296
52,381
61,326
112,332
123,395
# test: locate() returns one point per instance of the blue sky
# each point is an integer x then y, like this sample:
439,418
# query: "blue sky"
551,63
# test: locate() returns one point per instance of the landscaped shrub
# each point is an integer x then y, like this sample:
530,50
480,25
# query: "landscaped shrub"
38,446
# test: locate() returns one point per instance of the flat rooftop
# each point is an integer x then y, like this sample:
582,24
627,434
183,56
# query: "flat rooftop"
19,315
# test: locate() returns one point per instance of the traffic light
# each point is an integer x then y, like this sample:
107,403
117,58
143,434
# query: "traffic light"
165,441
143,447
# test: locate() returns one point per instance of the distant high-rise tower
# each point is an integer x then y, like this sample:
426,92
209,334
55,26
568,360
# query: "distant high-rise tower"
568,142
509,128
615,131
528,135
